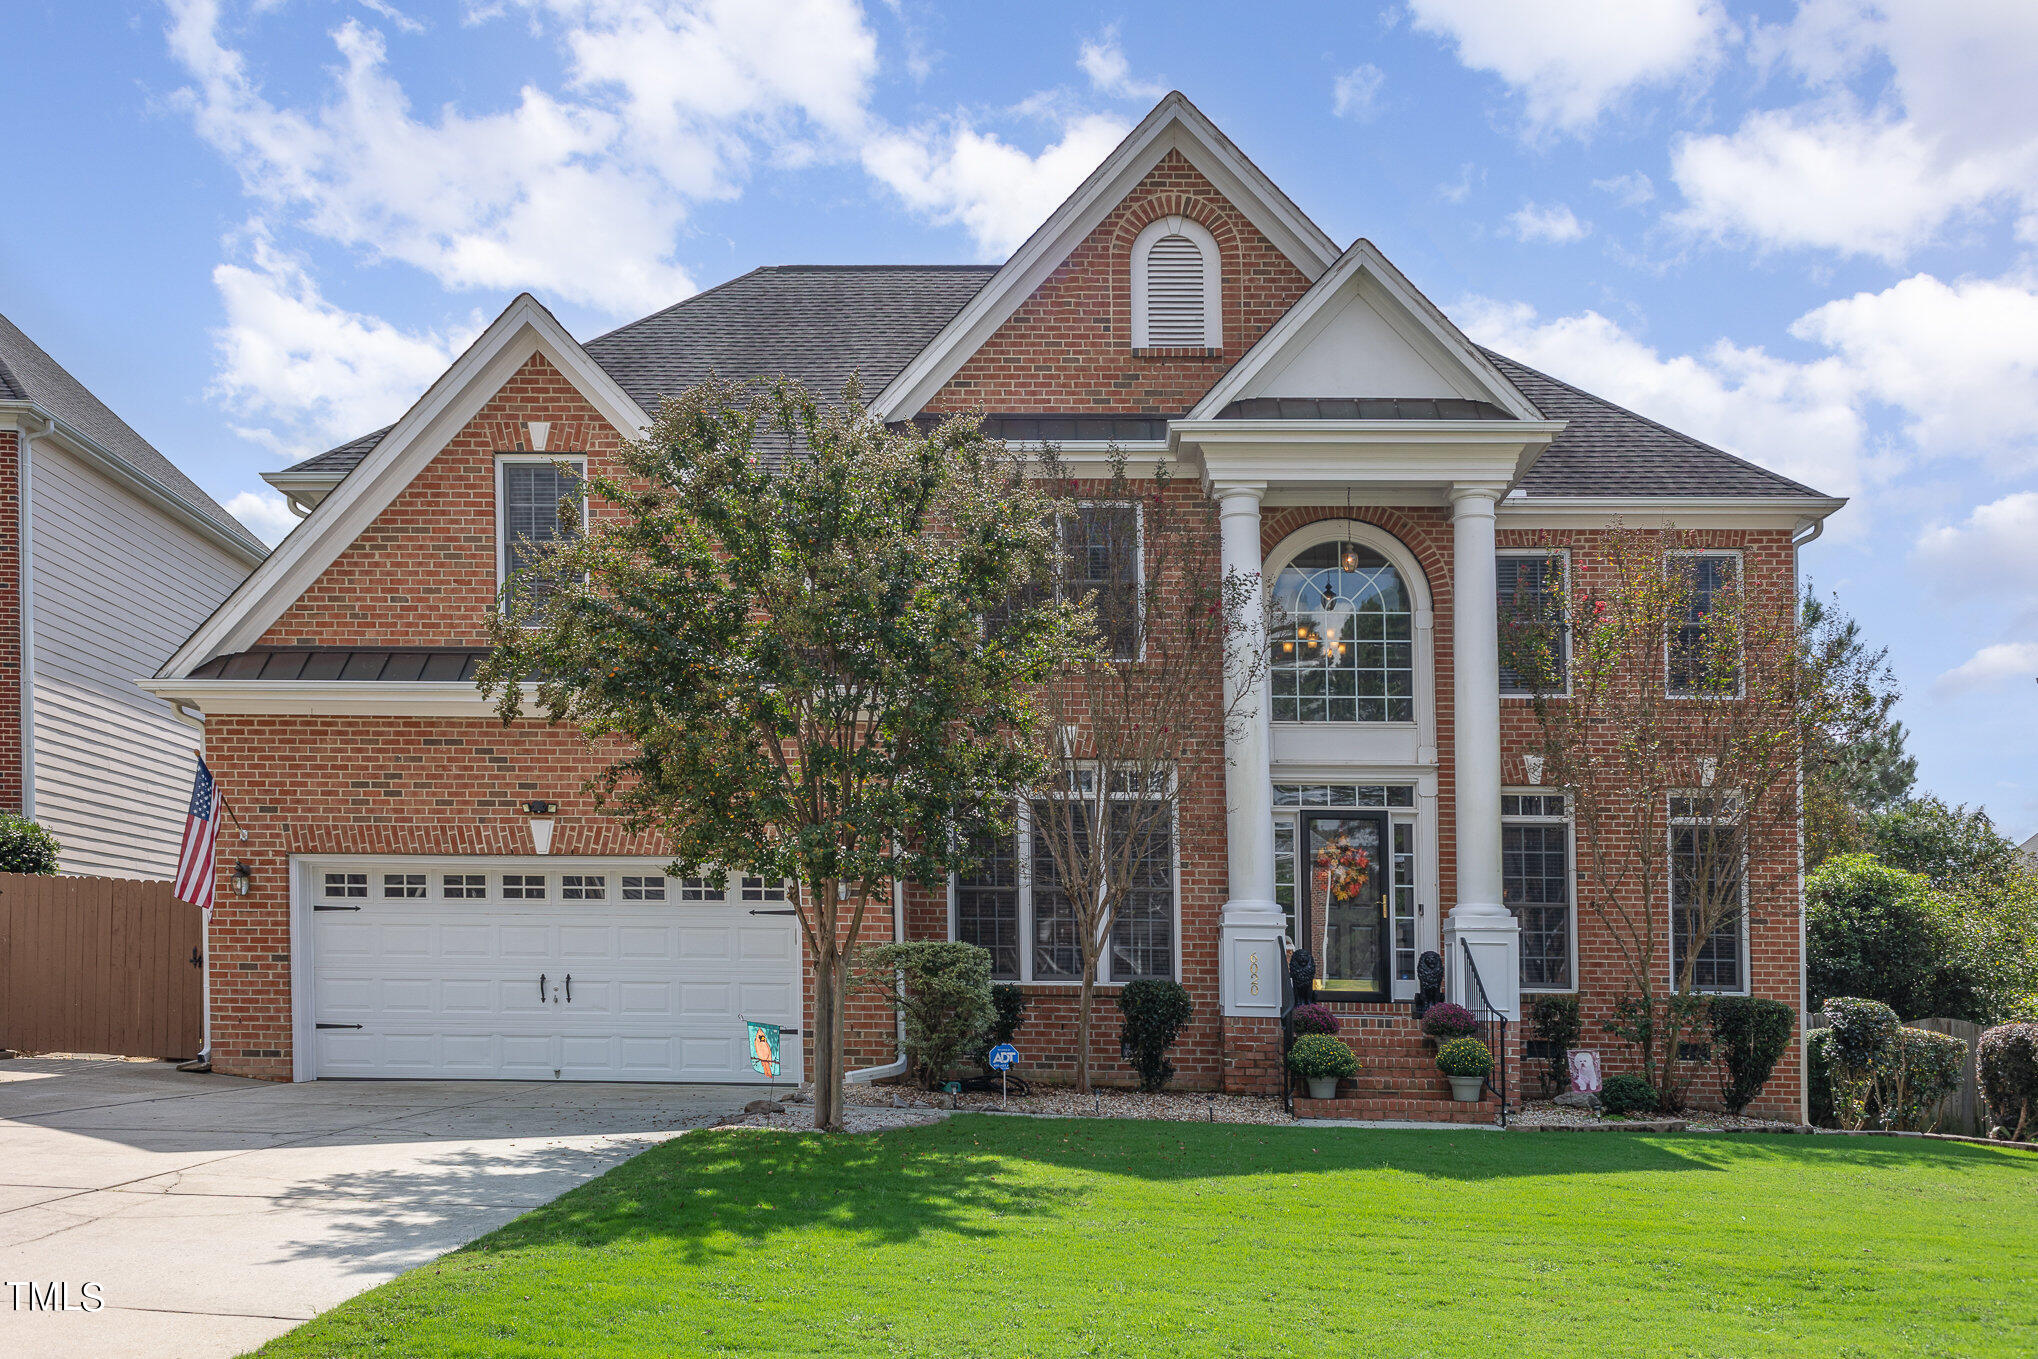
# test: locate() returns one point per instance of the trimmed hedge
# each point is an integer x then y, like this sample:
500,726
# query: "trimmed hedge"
1625,1094
1922,1070
1751,1035
2007,1061
1155,1013
944,992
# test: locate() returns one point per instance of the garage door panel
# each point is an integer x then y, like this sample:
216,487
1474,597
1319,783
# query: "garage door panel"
449,986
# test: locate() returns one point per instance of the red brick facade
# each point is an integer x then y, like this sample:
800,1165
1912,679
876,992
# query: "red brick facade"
425,571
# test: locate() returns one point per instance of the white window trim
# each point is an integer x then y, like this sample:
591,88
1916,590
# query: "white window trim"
1570,824
1022,849
1563,556
1671,824
1213,281
1741,658
502,460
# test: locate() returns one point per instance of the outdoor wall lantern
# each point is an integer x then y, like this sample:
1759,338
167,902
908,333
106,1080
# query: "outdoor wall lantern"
244,877
541,813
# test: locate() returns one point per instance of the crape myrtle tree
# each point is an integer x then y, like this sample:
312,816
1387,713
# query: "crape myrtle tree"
1676,730
1124,717
773,625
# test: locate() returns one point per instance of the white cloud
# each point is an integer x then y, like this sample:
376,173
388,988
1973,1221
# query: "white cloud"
1555,224
1103,61
1959,359
1630,190
1000,193
1797,418
304,372
1356,93
266,514
1922,112
1571,60
1990,555
1992,667
1459,189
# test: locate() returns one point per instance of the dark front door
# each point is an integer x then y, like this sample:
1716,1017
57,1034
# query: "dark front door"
1344,900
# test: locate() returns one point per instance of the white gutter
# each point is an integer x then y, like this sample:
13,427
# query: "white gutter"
896,1067
1805,534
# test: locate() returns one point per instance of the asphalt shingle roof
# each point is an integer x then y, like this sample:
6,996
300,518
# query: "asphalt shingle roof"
821,323
29,374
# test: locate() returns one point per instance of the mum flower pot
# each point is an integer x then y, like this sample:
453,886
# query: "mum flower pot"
1323,1087
1466,1089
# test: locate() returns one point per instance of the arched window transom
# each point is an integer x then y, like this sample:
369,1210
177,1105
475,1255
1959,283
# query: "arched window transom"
1343,638
1175,287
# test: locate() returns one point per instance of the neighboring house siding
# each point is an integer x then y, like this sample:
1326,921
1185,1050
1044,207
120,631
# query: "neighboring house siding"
10,621
1069,348
117,585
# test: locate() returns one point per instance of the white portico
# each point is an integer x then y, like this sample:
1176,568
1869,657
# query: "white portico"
1363,396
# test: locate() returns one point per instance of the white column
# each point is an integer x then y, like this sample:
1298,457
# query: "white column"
1253,924
1479,919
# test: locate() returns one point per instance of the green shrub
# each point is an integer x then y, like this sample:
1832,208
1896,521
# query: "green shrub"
944,992
1465,1057
1861,1039
1875,931
1818,1062
2006,1058
1008,1013
1751,1035
1318,1056
1623,1095
1155,1013
26,847
1922,1070
1556,1021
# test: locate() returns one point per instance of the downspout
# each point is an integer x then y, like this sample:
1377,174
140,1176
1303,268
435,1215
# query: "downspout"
896,1067
192,718
24,539
1798,540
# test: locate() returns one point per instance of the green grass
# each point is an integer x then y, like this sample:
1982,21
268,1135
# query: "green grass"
1003,1237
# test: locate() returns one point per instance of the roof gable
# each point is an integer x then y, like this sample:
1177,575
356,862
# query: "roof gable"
1175,125
1364,331
523,330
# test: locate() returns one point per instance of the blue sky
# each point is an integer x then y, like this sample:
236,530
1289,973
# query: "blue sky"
1806,232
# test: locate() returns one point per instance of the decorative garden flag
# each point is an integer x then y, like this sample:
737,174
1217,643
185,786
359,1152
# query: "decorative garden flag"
764,1049
1585,1072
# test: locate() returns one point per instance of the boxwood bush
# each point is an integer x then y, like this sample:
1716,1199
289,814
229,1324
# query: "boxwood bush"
1922,1070
1623,1095
2007,1060
1155,1013
26,847
1751,1035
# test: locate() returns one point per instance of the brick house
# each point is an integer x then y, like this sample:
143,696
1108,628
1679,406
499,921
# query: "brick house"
426,892
109,556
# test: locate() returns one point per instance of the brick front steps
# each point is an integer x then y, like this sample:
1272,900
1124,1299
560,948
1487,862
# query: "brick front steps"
1398,1107
1398,1078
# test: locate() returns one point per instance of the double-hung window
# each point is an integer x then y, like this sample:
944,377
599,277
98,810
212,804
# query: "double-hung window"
1100,556
1703,660
538,501
1011,901
1536,884
1535,652
1708,893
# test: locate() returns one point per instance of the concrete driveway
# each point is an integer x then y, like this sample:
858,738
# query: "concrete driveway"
214,1213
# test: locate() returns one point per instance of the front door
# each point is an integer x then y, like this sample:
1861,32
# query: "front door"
1344,902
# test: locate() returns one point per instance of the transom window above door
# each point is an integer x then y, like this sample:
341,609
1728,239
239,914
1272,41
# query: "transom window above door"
1342,638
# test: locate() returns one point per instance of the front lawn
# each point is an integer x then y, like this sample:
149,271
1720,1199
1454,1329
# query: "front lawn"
1004,1237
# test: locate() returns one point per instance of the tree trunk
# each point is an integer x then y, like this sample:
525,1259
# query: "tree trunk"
828,1044
1086,1005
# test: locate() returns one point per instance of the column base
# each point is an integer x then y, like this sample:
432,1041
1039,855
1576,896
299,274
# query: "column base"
1493,936
1252,958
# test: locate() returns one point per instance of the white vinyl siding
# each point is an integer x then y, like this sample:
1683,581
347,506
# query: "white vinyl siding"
118,585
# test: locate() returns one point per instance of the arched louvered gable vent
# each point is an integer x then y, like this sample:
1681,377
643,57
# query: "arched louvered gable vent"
1175,287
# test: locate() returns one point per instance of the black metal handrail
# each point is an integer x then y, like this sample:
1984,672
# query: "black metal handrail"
1492,1029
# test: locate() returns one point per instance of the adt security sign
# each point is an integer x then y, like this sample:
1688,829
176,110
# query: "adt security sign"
1002,1056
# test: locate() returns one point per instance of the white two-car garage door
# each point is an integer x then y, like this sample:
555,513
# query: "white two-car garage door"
539,969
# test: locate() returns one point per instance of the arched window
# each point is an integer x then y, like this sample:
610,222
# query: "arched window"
1175,287
1343,643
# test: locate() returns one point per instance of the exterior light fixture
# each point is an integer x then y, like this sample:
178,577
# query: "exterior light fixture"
244,877
541,814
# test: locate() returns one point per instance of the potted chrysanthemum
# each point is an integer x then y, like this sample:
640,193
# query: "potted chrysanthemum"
1467,1063
1322,1061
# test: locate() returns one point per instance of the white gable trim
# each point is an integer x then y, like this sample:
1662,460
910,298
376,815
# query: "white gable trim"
1175,124
525,328
1412,315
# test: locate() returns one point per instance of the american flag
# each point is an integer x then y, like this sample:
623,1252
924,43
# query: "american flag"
201,829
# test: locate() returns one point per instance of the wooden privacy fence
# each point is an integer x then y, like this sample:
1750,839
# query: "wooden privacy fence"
99,965
1961,1113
